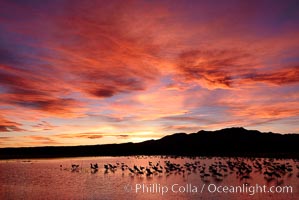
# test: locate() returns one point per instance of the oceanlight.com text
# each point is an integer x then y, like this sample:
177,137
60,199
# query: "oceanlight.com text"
210,188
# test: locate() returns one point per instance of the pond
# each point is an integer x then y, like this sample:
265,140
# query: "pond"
150,177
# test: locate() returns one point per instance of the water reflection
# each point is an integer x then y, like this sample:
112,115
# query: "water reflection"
114,177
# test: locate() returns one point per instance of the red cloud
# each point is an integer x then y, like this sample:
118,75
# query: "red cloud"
100,52
229,69
282,76
140,68
33,91
9,126
214,69
88,51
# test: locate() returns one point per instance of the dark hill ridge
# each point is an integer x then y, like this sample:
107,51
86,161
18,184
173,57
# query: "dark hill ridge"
228,141
225,142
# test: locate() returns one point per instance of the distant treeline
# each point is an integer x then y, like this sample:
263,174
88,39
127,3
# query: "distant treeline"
225,142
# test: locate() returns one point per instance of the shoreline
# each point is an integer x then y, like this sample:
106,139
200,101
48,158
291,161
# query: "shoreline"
208,155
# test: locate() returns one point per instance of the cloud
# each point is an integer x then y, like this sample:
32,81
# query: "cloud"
115,72
122,136
9,126
281,76
182,118
33,91
39,140
39,137
100,50
39,143
230,69
273,111
96,135
214,68
90,135
183,128
43,125
87,50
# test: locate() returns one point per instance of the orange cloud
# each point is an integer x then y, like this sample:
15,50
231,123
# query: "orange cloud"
28,90
230,69
9,126
274,111
214,69
121,73
281,76
43,125
81,135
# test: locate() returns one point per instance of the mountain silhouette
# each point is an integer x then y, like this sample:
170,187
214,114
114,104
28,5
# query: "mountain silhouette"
235,141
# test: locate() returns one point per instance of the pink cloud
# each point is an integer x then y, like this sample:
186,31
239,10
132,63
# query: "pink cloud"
123,71
9,126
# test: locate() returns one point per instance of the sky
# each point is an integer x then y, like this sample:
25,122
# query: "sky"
97,72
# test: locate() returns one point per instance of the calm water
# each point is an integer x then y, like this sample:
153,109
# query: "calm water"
47,179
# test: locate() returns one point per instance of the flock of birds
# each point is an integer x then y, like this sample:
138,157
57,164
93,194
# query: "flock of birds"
271,169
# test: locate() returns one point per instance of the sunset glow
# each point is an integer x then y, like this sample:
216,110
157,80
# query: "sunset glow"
98,72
